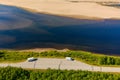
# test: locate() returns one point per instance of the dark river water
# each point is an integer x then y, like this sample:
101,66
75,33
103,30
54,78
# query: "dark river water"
20,29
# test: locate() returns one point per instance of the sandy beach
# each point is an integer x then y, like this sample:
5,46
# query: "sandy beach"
81,9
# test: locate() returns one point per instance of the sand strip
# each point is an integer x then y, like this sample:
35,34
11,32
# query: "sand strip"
67,8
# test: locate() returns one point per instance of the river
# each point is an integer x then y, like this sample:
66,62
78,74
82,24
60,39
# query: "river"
20,29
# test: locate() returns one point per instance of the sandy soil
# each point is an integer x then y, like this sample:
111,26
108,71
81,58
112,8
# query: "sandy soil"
43,50
45,63
67,8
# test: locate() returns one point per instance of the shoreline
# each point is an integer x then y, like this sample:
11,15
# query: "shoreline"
62,15
92,11
67,16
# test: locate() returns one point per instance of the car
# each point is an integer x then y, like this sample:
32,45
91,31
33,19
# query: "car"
69,59
31,59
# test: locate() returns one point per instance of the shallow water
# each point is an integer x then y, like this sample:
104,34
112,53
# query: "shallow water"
20,29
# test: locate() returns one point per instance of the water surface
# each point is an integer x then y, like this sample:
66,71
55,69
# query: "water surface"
20,29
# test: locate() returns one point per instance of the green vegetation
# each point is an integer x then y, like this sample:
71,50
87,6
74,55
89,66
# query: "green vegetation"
12,73
87,57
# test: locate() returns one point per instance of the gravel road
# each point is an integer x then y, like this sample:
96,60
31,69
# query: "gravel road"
54,63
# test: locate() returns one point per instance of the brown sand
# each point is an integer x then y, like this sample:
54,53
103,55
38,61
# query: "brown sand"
65,7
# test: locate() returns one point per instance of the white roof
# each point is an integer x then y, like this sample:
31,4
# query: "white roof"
30,58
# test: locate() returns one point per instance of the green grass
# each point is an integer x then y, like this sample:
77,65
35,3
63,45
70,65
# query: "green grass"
87,57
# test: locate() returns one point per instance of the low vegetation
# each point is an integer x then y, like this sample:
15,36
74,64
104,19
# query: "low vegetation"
12,73
87,57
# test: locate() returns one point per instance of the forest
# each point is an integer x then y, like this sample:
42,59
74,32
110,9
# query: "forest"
12,73
87,57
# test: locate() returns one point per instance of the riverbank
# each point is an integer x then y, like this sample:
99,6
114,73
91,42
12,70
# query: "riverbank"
67,8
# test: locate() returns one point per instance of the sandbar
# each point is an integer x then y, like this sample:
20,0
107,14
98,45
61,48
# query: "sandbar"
80,9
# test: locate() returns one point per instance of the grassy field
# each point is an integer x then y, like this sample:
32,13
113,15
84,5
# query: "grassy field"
87,57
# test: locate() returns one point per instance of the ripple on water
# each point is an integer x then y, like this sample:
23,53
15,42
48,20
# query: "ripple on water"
5,39
9,22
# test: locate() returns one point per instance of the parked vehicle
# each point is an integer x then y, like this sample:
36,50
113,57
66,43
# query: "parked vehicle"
31,59
69,59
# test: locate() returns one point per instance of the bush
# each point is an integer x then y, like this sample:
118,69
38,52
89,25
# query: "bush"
12,73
